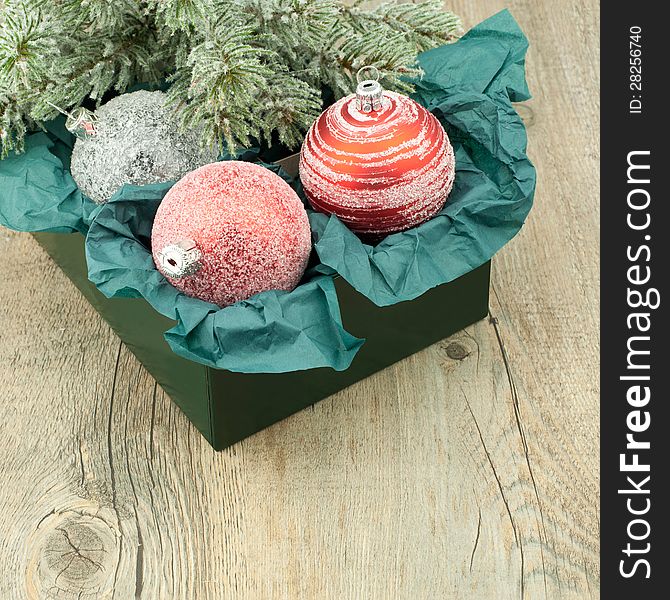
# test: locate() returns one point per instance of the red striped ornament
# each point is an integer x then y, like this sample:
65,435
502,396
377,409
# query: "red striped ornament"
380,170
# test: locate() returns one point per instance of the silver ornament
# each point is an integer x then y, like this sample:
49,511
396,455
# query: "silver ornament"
137,140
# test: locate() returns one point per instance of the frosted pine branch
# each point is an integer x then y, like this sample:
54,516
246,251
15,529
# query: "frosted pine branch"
239,70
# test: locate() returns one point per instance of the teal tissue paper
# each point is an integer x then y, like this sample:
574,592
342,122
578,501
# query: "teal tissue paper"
272,332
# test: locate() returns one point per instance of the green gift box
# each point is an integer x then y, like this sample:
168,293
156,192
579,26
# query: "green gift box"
227,407
236,370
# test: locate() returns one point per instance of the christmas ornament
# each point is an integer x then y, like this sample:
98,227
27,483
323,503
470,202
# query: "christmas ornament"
230,230
135,139
378,160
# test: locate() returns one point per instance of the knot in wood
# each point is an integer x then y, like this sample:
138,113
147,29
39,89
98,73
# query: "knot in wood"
72,555
457,351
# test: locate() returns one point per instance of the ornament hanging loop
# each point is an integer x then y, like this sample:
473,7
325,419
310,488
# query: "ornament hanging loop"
369,91
371,69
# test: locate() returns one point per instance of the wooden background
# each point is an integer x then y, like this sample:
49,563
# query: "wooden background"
468,471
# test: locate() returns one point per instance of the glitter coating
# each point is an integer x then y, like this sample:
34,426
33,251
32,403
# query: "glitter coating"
249,225
137,141
379,172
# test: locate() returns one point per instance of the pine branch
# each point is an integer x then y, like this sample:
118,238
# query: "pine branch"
295,28
424,25
180,15
240,70
26,48
220,84
66,51
290,107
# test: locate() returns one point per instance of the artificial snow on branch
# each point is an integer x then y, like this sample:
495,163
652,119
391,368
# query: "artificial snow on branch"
238,70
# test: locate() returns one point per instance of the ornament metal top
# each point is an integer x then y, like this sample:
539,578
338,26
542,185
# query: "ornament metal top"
369,92
81,122
180,259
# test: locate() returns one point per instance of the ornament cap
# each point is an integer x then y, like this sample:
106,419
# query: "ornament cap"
181,259
369,92
82,123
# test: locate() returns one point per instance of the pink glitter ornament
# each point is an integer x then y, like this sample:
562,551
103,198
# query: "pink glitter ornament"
379,161
229,230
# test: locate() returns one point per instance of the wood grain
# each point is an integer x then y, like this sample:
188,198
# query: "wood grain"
468,471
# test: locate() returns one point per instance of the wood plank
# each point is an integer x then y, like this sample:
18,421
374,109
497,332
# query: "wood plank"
468,471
